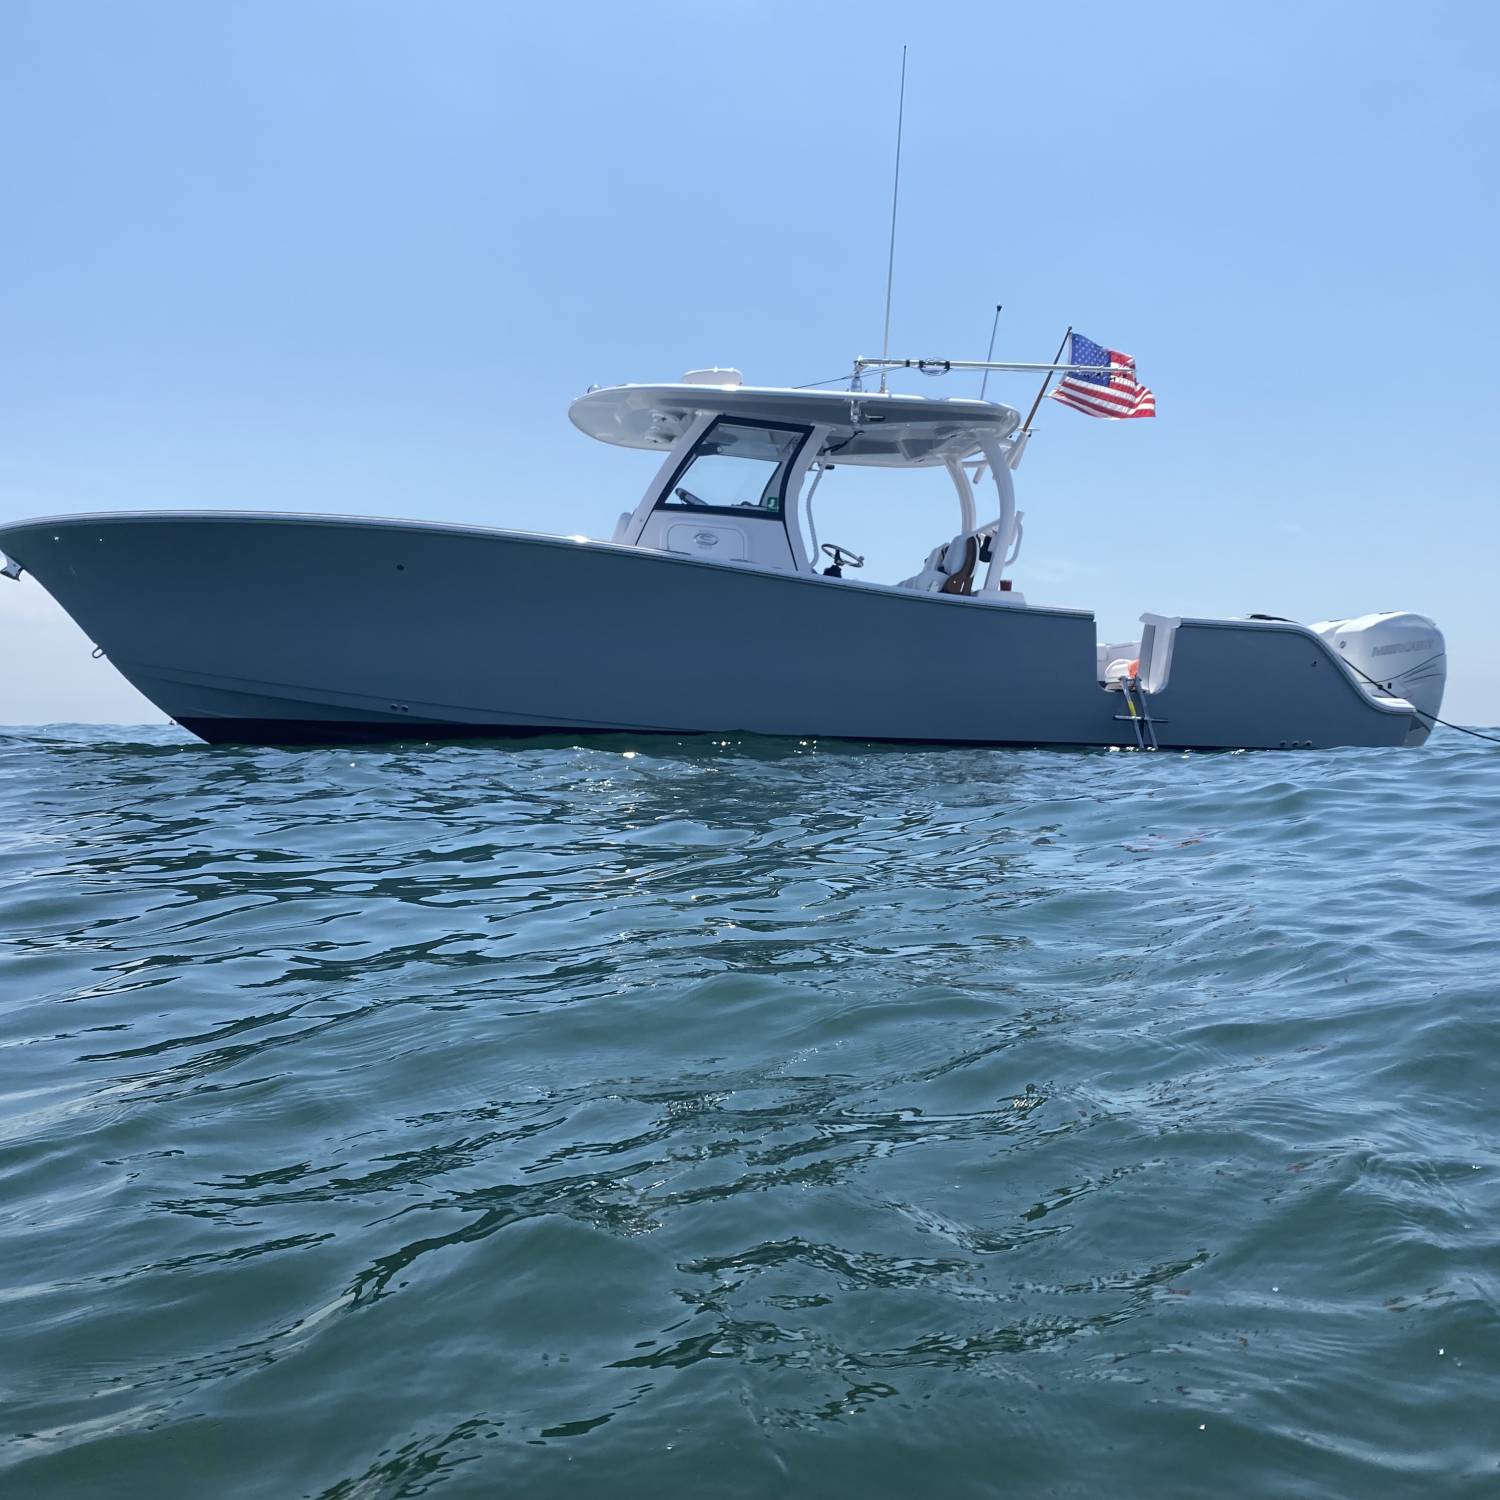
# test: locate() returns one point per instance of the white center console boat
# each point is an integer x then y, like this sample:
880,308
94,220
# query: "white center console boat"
713,608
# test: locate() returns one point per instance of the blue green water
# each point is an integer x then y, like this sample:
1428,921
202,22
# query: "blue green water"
747,1119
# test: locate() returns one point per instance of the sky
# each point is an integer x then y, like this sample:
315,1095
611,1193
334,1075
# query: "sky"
359,256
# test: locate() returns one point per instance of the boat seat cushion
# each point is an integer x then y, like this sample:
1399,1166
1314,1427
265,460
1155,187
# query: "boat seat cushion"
949,568
959,563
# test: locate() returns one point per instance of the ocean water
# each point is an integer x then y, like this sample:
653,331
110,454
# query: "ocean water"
747,1118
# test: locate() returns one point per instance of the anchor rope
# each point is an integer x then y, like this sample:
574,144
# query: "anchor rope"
1386,688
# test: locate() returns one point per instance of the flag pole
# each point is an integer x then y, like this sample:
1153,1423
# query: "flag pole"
1047,380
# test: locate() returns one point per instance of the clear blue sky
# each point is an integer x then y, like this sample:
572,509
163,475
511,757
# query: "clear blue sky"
359,256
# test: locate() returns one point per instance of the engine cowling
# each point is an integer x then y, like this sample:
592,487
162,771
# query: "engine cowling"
1396,653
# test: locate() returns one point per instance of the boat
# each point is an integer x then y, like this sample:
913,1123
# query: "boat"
714,608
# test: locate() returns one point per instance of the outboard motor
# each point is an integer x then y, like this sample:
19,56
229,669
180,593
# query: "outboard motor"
1400,654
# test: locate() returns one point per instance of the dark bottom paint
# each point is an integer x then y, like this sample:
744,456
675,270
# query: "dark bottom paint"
291,732
294,732
304,732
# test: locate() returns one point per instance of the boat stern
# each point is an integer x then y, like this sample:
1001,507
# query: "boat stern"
1395,654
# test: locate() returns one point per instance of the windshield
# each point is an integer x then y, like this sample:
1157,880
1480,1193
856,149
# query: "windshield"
736,466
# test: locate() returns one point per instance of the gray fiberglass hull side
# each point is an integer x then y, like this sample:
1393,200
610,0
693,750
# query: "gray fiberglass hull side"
287,629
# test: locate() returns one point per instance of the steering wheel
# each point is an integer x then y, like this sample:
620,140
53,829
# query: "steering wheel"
842,557
689,498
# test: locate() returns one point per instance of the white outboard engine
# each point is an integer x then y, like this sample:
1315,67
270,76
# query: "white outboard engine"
1399,654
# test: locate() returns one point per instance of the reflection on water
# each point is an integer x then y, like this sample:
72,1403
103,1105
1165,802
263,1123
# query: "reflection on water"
744,1117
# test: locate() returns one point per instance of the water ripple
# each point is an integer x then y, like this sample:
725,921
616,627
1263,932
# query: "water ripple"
747,1117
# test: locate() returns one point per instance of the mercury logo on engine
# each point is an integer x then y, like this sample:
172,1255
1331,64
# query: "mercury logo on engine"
1397,647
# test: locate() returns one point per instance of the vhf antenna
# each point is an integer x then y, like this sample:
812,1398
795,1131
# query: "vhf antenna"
890,265
983,384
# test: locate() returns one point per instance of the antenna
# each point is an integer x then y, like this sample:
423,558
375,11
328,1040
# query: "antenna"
991,354
890,265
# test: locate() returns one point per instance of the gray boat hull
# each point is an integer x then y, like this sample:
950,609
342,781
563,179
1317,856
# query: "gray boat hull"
294,629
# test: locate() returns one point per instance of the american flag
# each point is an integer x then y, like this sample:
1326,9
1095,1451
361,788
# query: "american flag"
1117,394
